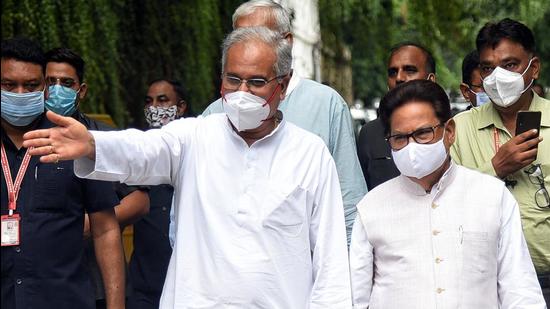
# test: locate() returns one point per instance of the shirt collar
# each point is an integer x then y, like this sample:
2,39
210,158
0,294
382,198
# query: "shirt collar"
444,182
543,105
236,136
489,115
39,123
294,81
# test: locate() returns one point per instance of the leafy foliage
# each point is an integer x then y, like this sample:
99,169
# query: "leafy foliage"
448,28
128,43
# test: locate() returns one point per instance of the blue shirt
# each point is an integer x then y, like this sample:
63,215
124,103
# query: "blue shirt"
319,109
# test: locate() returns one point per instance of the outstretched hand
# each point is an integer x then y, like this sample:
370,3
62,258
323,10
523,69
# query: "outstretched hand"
68,141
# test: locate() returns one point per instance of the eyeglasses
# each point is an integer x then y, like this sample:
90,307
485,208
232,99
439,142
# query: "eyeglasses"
63,81
542,198
472,86
420,136
231,82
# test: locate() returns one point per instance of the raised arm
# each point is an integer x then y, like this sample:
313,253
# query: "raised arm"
129,156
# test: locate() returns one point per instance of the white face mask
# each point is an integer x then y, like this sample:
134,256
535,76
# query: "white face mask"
505,87
419,160
245,110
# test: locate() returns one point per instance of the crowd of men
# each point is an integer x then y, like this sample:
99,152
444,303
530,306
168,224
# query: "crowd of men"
261,202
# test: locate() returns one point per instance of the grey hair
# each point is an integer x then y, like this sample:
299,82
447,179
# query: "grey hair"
277,12
275,40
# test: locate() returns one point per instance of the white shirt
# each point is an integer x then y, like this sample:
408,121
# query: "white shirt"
257,227
459,246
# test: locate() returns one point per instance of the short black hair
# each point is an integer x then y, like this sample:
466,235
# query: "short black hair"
430,61
180,91
492,33
65,55
24,50
469,64
419,91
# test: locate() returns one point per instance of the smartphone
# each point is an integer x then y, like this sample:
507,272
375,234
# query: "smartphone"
528,120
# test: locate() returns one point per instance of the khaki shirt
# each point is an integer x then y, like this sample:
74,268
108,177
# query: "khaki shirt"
474,147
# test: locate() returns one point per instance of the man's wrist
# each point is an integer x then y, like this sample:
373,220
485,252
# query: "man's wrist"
500,174
91,147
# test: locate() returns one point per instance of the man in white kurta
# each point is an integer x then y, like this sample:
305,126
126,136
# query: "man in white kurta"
259,214
449,239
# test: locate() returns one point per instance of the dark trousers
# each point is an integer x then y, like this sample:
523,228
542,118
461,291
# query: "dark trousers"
545,285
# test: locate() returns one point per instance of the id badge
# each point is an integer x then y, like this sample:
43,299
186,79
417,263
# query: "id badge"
10,230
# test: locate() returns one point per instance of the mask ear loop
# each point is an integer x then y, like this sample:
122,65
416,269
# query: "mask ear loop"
272,95
269,101
525,71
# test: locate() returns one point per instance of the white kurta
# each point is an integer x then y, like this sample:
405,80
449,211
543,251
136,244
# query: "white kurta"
459,246
257,227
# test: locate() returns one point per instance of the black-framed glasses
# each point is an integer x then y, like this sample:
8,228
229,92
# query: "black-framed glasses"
231,82
542,197
420,136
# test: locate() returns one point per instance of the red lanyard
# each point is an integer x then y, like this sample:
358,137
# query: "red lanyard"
496,139
13,188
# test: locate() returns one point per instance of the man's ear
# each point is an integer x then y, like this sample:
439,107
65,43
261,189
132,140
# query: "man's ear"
289,37
535,65
464,89
182,108
431,76
450,130
46,92
284,86
81,93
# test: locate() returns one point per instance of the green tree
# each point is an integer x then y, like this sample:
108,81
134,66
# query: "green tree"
127,43
448,28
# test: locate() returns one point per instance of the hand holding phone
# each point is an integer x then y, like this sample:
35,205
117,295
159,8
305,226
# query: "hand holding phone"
521,150
528,120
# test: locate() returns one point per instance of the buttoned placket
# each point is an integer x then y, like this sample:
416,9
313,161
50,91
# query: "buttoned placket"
247,211
438,248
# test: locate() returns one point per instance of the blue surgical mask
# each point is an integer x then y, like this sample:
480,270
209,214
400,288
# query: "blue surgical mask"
21,109
481,98
61,100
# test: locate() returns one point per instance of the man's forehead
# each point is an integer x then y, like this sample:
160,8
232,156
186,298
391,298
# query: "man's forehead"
15,69
60,68
408,55
253,57
505,49
161,88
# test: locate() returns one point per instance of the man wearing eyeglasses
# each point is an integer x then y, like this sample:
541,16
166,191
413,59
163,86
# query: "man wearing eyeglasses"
407,61
258,211
310,105
471,86
486,139
66,90
439,235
